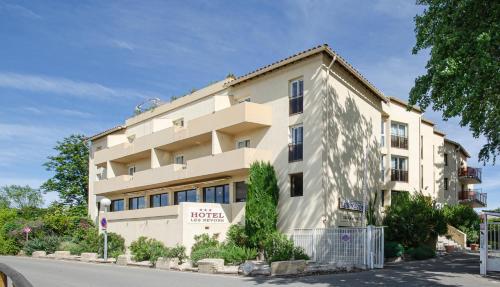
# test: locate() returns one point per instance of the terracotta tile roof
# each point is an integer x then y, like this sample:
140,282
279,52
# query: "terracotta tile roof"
302,55
106,132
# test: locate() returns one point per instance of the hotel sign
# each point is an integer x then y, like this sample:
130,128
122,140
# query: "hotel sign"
206,215
354,205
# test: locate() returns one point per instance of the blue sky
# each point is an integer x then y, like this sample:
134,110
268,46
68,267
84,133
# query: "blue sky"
81,66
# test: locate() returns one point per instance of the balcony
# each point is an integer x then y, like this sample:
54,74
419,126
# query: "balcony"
171,210
399,142
241,117
399,175
224,164
470,175
295,152
474,198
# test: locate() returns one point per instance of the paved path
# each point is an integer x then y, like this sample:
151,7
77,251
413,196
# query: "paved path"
454,270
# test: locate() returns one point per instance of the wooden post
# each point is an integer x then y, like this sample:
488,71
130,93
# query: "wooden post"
3,280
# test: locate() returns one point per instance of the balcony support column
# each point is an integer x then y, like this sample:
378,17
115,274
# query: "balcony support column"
160,158
221,142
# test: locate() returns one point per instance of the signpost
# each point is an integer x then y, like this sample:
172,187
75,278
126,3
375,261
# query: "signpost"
27,231
105,203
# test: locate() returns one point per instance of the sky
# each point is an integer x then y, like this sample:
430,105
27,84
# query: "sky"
82,66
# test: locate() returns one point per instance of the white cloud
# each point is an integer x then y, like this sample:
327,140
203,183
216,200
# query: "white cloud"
57,111
67,87
122,44
20,10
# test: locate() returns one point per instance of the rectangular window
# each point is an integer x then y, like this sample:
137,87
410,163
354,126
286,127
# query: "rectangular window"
382,133
399,169
445,183
136,203
295,148
216,194
117,205
382,198
158,200
296,97
243,143
178,122
131,170
445,159
399,135
241,191
296,185
179,159
382,168
421,176
185,196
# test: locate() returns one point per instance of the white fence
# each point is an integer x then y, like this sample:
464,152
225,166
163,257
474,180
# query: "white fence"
359,246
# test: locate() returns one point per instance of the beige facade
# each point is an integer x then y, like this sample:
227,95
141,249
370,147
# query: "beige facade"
331,136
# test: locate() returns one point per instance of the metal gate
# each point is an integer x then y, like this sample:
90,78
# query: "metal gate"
359,246
489,243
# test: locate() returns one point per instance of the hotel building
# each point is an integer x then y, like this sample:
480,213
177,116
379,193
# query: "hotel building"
333,138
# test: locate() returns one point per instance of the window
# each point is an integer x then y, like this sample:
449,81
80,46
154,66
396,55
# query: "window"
217,194
131,170
445,159
178,122
399,169
382,135
101,173
179,159
241,191
296,185
382,198
295,148
158,200
185,196
421,147
399,135
243,143
296,97
422,176
445,183
117,205
136,203
382,168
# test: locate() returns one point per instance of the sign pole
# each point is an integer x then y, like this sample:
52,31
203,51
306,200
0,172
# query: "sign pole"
364,187
105,245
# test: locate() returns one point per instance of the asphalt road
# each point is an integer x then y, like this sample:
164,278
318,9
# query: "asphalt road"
460,270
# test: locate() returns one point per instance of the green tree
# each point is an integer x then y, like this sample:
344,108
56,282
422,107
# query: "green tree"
21,197
462,76
70,165
260,210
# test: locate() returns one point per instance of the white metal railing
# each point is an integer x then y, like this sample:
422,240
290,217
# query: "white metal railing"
359,246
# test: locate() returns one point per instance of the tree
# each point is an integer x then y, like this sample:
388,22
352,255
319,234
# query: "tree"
70,165
21,197
261,214
462,76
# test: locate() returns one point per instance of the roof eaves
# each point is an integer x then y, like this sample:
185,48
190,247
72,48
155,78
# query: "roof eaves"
465,152
106,132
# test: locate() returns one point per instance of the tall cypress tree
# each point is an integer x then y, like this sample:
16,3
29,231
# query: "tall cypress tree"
261,213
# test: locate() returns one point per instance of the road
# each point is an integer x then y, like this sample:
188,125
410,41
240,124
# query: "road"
453,270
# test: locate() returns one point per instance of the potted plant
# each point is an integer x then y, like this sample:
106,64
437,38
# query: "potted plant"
472,238
449,248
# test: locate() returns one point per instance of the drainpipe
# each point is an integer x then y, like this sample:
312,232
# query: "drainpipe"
326,180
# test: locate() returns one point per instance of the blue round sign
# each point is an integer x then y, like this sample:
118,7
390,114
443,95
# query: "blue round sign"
104,222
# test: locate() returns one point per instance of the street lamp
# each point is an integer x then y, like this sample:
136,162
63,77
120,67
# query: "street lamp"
105,203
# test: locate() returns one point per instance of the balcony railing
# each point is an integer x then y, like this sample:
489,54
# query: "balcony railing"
399,142
472,195
399,175
470,173
296,105
295,152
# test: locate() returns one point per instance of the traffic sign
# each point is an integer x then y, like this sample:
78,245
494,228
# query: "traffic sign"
104,223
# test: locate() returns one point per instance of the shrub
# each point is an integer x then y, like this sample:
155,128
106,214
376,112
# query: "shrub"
393,249
147,249
87,239
236,235
8,246
179,252
47,243
116,245
421,252
204,241
235,255
413,220
207,252
279,248
261,207
465,219
72,247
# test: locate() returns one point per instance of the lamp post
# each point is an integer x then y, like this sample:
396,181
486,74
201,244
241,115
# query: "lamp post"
105,203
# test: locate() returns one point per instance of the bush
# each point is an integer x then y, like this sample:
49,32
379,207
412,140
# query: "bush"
147,249
236,235
413,220
72,247
8,246
261,213
465,219
207,252
179,252
87,239
421,252
279,248
393,249
47,243
235,255
204,241
116,245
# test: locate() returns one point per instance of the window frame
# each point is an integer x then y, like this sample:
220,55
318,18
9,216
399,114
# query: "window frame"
152,199
295,146
446,183
294,192
238,198
245,141
111,207
186,191
178,122
179,156
445,156
225,194
138,203
133,169
296,100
